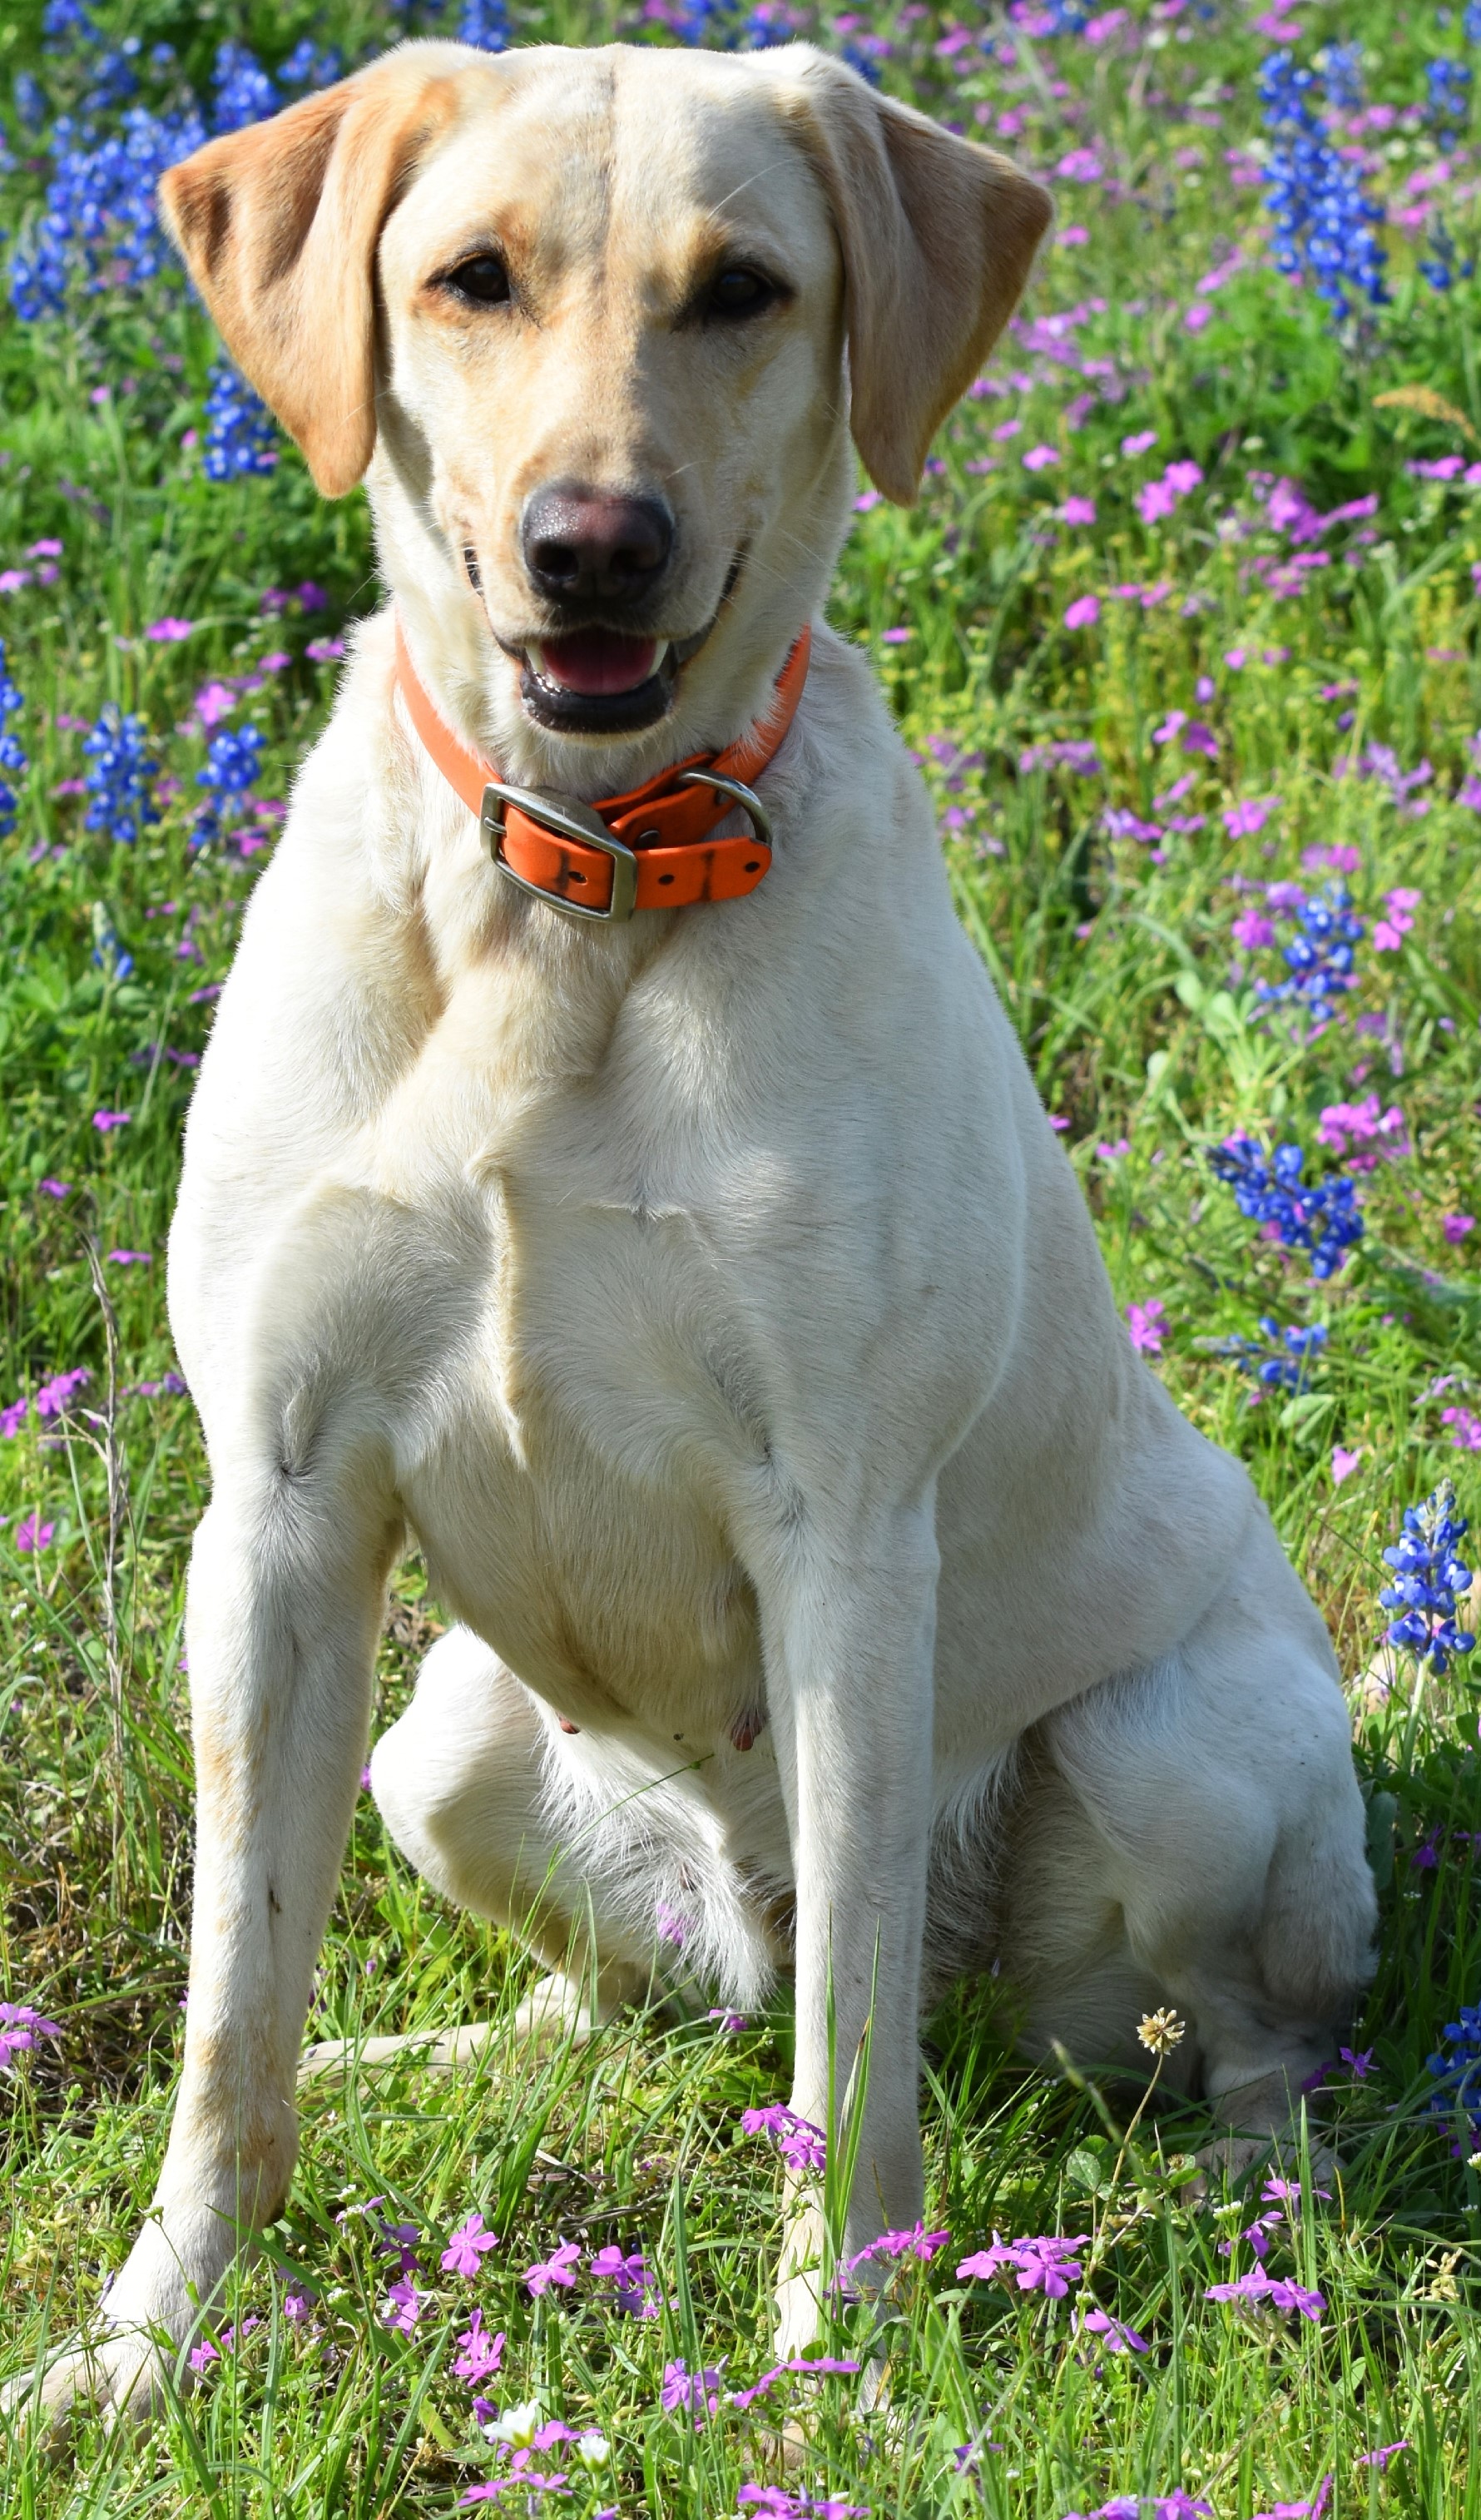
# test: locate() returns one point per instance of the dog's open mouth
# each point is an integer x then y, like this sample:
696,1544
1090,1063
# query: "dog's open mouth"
596,681
599,682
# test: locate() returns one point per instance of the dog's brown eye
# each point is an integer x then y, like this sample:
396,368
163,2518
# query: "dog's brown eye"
482,278
740,291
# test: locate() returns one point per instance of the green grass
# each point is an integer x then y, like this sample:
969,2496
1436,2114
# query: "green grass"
1116,968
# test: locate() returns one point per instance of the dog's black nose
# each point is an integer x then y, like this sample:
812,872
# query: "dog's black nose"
589,547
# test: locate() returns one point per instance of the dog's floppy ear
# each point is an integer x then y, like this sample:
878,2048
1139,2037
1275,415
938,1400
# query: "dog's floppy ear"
937,238
279,226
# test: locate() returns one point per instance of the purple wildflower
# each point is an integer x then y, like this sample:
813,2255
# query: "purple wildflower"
801,2145
1119,2338
20,2026
1148,1322
1261,2288
807,2367
403,2305
480,2355
1380,2458
398,2240
695,2393
466,2246
775,2503
1248,816
1043,2265
636,2288
55,1396
559,2268
917,2243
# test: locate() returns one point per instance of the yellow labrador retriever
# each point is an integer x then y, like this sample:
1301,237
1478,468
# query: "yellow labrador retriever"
651,1209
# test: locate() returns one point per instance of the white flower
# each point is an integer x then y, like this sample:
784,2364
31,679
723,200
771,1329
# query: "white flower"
594,2450
518,2425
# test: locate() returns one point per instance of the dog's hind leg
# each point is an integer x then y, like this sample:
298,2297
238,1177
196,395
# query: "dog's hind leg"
460,1782
1199,1841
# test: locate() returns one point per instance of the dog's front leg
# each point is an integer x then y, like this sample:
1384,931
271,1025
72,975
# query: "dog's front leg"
850,1637
287,1589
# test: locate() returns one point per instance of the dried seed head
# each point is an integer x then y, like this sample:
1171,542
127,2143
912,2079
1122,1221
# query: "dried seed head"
1161,2032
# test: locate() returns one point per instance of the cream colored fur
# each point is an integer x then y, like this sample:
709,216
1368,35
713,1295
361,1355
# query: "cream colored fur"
709,1297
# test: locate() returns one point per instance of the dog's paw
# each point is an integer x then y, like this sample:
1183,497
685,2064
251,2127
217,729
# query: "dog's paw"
119,2376
438,2052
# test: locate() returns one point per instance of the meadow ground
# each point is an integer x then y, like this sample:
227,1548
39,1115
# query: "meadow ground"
1185,631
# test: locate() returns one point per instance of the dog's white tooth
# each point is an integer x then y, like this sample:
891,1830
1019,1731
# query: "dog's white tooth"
659,653
534,657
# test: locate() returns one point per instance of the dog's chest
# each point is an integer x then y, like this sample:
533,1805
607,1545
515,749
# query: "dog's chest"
571,1498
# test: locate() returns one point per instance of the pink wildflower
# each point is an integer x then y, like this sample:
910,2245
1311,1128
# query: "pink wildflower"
694,2393
1252,931
1039,458
1148,1323
1344,1463
916,2243
1043,2265
807,2367
801,2145
33,1535
103,1121
1140,444
559,2268
636,2289
20,2026
1083,612
1119,2338
466,2246
166,632
403,2306
1248,816
480,2355
1456,1227
1076,510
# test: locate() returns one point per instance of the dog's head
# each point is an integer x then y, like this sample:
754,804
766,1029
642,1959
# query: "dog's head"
596,326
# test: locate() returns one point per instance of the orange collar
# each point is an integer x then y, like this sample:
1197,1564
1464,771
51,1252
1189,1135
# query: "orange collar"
650,849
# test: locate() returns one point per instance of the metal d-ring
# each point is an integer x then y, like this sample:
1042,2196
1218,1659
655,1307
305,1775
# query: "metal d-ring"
738,793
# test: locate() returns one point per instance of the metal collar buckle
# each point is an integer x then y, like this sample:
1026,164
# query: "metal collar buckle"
569,820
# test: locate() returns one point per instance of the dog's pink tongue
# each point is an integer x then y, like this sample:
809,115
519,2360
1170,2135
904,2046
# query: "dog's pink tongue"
597,661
